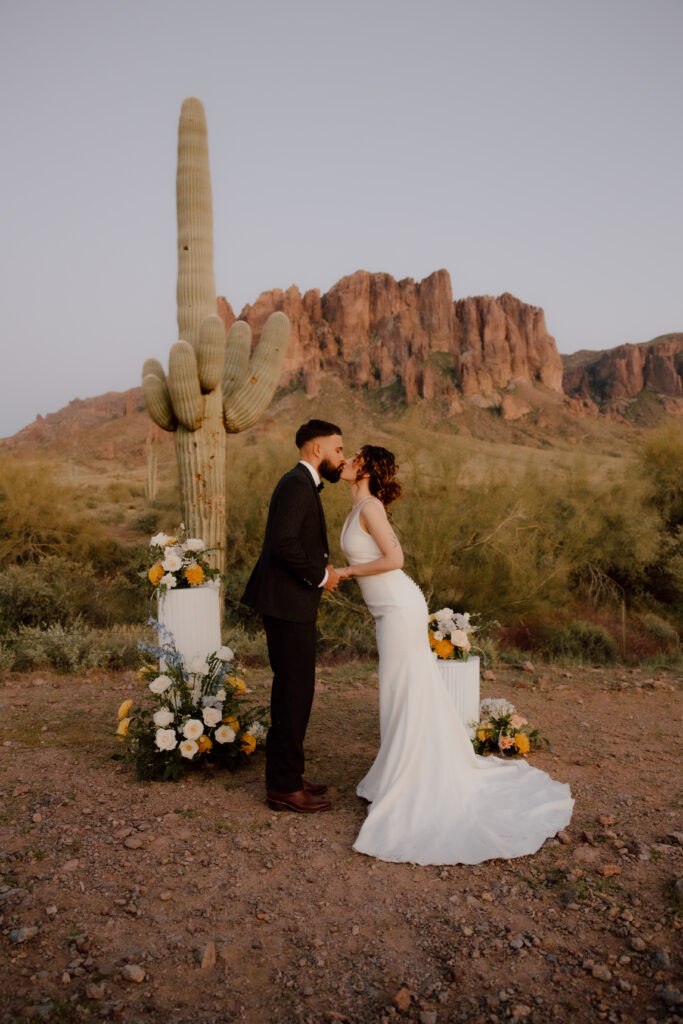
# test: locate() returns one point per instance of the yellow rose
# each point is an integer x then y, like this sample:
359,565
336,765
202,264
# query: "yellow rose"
237,684
123,727
232,722
248,744
522,743
204,743
484,734
194,575
124,709
155,573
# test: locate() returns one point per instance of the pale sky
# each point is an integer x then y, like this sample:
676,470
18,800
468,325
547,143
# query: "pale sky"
529,146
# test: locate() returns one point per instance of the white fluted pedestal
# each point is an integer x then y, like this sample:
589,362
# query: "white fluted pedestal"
461,679
193,617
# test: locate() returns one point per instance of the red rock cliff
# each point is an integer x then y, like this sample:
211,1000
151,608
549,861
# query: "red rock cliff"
372,330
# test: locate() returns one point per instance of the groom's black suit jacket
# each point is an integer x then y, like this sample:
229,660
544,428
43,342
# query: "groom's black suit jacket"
285,583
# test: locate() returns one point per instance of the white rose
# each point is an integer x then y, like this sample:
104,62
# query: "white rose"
188,748
459,638
198,666
437,634
220,694
159,541
160,684
193,729
163,717
194,544
171,562
212,716
224,734
443,613
166,739
225,653
169,581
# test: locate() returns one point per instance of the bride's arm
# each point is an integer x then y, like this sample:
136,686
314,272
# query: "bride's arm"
373,518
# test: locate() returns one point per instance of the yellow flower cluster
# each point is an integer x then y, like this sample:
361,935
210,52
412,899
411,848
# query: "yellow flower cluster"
204,744
443,648
238,685
522,743
194,575
232,722
155,573
248,744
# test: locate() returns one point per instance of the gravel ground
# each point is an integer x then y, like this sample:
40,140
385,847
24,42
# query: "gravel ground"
193,902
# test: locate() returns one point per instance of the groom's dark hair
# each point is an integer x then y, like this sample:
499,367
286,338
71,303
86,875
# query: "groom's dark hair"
315,428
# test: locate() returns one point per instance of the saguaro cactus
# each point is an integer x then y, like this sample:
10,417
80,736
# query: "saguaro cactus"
214,385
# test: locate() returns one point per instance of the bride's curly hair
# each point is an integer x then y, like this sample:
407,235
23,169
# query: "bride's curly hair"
381,466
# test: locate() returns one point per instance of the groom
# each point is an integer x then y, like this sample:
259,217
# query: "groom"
285,587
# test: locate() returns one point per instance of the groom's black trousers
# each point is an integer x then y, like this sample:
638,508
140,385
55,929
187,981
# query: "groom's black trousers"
291,649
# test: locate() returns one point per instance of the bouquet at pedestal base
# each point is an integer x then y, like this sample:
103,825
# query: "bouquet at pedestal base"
503,731
195,714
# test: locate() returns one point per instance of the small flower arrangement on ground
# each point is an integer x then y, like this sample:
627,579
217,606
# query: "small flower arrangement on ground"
197,714
179,561
450,635
503,730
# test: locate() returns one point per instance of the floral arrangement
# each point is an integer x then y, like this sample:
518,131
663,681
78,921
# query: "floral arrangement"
450,634
503,730
179,561
194,715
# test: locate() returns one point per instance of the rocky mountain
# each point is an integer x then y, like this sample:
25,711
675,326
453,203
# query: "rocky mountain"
373,331
610,379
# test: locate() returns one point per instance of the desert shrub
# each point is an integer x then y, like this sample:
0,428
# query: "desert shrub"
7,657
251,647
55,590
581,641
660,629
661,464
41,515
74,648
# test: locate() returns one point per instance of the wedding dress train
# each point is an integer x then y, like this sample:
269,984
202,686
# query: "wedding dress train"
432,799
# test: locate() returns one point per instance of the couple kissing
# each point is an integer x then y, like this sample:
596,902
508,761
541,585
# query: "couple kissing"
431,800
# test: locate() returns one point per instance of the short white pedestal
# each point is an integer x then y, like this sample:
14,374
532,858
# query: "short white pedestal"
461,679
193,617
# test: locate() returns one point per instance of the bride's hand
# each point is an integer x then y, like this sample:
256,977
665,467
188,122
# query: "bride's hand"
345,572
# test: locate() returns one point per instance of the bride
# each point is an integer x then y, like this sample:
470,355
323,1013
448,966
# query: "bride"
432,800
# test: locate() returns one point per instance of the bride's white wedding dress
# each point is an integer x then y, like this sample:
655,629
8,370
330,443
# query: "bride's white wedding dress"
432,799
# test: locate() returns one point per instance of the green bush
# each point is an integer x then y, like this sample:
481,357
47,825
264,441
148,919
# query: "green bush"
660,629
581,642
74,648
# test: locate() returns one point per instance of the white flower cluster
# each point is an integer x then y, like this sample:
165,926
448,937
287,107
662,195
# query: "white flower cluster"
453,626
495,707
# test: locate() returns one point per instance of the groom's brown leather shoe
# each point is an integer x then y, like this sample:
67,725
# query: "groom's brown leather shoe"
316,788
301,801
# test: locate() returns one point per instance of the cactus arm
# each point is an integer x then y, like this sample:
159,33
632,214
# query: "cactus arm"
158,401
237,352
247,403
210,352
183,385
154,367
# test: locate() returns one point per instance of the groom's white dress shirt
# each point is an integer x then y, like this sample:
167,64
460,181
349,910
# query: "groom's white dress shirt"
316,480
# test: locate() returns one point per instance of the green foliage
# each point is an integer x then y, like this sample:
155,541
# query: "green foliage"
74,648
580,642
662,630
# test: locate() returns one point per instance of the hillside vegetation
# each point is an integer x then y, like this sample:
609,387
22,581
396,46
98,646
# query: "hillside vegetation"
563,533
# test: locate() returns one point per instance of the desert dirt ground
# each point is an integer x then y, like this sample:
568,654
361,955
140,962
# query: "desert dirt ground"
194,902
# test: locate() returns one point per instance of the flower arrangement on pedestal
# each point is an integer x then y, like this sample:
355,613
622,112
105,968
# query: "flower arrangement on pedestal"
503,730
179,561
450,634
198,714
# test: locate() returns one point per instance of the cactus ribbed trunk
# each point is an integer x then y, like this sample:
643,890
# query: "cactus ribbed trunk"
200,452
196,290
201,468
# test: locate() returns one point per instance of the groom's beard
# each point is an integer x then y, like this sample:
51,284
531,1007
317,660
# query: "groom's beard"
329,472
